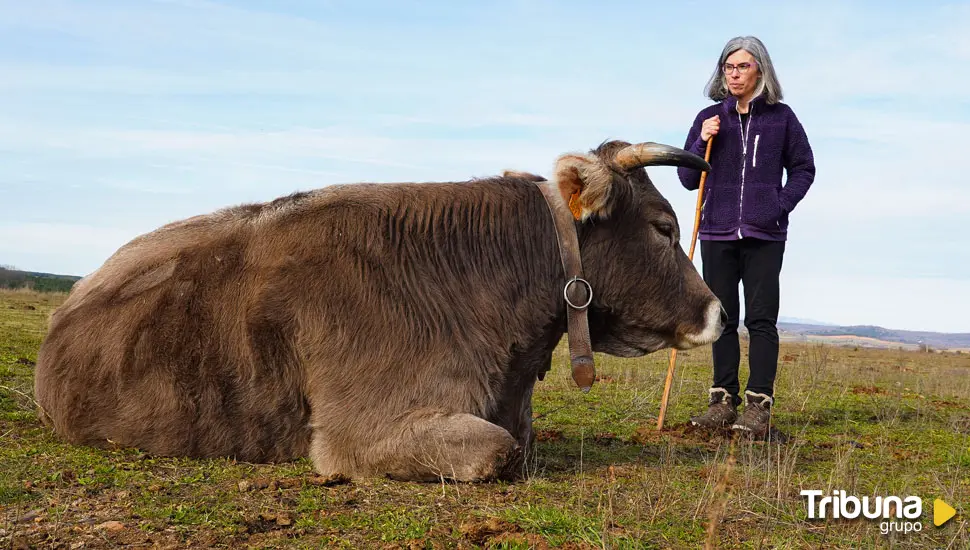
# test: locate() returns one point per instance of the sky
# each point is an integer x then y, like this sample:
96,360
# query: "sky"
119,116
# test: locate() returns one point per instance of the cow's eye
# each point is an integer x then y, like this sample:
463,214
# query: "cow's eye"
665,228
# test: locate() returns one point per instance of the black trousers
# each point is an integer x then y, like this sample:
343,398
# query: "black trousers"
756,264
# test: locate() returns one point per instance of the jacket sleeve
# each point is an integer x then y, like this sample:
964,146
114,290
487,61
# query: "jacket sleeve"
799,163
690,178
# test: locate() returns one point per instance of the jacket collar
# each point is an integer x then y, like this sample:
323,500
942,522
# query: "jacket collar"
731,103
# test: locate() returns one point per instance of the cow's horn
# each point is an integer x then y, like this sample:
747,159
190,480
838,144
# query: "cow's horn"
657,154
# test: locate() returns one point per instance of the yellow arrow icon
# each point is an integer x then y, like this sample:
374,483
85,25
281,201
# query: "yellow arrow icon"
942,512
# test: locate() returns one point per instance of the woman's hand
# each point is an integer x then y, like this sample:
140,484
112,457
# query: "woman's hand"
710,127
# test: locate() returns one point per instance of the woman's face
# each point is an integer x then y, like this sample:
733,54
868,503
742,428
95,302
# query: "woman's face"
741,82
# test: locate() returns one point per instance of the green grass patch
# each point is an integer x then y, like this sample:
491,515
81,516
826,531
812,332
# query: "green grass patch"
865,421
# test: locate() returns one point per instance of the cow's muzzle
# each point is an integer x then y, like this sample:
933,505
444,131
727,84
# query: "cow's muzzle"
715,319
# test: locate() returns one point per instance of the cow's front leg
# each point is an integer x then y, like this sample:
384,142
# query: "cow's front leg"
431,445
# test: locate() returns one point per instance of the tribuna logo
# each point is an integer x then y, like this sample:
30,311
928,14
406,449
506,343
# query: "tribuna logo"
840,505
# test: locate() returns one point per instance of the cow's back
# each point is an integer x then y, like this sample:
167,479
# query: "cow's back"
172,346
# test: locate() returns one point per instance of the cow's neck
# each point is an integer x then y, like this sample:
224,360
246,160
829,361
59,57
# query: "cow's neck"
479,262
547,324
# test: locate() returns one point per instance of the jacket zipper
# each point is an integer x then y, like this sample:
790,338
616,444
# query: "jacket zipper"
745,131
754,157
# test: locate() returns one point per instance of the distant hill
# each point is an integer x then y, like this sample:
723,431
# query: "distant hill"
874,336
41,282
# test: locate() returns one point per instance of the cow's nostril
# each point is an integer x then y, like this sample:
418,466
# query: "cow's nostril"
724,317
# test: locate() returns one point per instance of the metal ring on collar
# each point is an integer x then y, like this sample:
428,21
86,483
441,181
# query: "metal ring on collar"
589,290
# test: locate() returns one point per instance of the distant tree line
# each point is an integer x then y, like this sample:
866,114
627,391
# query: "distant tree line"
41,282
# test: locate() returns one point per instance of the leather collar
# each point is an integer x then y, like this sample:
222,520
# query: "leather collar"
577,292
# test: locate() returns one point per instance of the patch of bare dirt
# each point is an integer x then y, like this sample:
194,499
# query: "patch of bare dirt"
549,435
684,432
267,521
260,483
481,531
949,404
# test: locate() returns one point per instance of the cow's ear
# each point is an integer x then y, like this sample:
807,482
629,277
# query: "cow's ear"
585,184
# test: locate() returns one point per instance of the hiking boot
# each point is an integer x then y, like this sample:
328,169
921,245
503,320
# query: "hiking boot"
756,418
722,410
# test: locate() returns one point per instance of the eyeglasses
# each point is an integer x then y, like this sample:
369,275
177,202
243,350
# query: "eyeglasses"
741,67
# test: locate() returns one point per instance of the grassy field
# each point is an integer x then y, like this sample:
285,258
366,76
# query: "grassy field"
870,422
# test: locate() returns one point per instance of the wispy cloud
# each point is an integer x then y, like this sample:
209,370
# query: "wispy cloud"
121,116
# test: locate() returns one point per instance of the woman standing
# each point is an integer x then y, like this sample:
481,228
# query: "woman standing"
744,221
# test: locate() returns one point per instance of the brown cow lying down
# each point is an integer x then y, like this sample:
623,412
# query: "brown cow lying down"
383,329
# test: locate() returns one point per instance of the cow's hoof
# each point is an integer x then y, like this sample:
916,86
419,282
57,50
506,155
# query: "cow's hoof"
511,467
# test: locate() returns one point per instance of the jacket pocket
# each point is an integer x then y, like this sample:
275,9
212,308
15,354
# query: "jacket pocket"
782,220
778,210
720,210
762,209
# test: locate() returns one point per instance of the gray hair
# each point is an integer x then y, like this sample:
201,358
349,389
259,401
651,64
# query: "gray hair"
768,84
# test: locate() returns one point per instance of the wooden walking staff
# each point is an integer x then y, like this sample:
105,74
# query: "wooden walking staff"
693,241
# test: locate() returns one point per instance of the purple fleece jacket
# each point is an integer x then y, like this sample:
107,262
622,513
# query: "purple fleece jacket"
744,196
